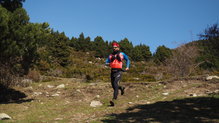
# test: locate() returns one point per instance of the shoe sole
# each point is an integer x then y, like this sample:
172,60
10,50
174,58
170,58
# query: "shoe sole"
112,103
123,91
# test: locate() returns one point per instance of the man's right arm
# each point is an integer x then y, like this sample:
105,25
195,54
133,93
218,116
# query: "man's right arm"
107,61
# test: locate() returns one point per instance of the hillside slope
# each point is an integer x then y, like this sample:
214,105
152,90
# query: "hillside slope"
68,100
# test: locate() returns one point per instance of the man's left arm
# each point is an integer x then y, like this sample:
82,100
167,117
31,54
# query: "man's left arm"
127,61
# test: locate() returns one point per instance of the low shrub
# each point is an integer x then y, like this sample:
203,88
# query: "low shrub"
33,75
7,77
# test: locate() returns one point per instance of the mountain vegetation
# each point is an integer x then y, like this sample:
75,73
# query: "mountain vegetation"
40,66
29,49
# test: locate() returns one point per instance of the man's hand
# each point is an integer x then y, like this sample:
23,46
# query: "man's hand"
126,69
106,65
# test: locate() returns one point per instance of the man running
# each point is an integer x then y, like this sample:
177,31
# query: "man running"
115,62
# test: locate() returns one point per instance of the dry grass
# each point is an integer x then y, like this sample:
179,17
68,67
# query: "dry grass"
73,102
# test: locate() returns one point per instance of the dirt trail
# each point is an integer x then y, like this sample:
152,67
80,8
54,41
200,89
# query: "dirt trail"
173,101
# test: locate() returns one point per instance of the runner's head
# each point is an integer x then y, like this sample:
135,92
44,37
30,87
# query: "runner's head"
115,46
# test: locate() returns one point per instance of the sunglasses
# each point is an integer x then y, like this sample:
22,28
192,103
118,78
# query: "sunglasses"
115,47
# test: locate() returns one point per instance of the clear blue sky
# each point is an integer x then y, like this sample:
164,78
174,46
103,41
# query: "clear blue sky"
150,22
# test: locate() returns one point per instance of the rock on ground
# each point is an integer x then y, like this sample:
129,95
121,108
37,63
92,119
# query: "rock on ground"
4,116
212,77
60,86
95,103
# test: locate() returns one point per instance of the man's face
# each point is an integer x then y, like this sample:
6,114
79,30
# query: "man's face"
115,48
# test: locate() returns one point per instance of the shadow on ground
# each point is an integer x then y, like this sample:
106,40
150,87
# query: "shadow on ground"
188,110
9,95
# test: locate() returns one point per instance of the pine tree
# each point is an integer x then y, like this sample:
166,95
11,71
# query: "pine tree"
126,46
12,5
100,47
4,20
137,55
20,40
59,49
141,53
210,47
162,53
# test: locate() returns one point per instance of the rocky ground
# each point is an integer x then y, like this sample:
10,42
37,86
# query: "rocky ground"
71,100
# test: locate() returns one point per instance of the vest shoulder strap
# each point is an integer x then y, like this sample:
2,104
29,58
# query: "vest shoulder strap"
116,56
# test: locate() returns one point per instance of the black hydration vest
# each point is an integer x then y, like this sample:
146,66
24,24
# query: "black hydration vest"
115,55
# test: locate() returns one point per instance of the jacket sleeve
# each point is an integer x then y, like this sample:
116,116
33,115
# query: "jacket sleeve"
127,60
107,60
